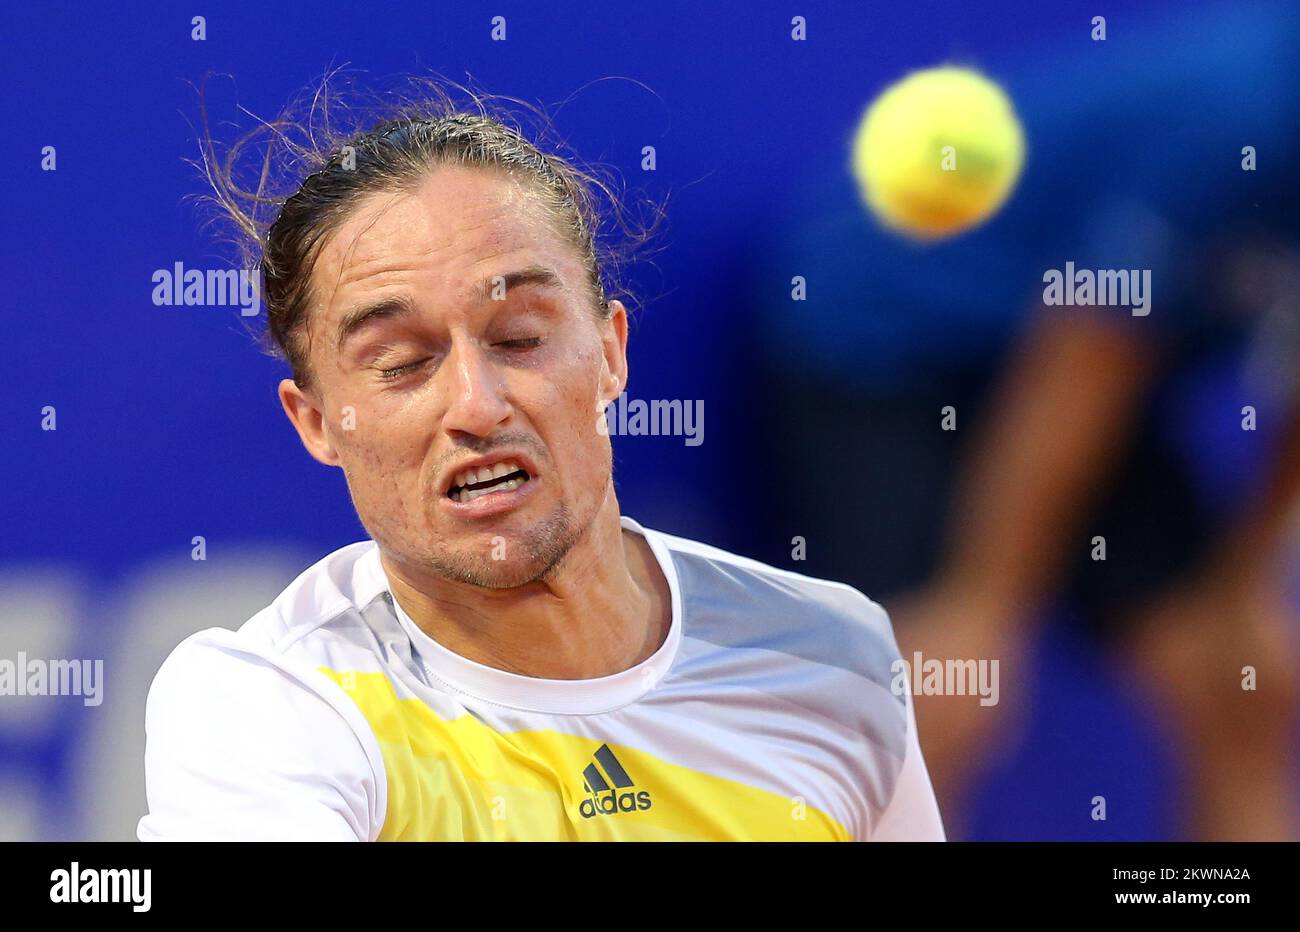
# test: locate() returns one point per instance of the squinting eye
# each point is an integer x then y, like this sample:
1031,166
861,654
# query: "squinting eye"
399,371
528,343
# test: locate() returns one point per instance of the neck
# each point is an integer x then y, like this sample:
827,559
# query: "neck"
603,609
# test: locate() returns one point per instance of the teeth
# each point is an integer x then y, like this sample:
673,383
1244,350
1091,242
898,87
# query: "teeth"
468,495
485,473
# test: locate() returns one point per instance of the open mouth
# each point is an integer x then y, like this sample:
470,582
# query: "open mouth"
505,476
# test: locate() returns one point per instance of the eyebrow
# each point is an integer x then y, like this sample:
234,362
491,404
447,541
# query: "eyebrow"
538,275
359,317
354,320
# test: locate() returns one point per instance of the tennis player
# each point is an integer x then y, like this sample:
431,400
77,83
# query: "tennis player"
507,657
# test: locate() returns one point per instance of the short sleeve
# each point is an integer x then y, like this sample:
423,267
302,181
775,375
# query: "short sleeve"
240,748
913,812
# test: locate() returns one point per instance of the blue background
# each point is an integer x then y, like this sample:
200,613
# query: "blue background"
168,424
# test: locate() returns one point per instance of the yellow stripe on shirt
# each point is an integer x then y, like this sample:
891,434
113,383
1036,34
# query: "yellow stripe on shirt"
458,779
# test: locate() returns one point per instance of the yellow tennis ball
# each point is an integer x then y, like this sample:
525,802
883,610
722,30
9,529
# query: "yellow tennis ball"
938,152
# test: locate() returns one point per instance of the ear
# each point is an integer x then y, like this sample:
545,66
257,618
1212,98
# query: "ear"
308,418
614,345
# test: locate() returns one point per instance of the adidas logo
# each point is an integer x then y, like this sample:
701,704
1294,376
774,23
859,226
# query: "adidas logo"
605,799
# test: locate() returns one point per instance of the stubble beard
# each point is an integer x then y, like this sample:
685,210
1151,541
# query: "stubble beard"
545,544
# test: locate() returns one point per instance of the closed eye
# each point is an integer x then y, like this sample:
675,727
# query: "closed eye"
398,371
528,343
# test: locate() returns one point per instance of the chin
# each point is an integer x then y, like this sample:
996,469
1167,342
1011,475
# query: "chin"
490,574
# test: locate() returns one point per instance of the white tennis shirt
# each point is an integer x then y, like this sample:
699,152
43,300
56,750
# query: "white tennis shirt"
767,714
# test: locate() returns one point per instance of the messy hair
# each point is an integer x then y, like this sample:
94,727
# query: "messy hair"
334,145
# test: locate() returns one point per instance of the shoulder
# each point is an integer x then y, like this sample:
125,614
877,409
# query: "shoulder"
738,601
735,601
219,683
342,582
288,640
280,651
242,745
243,720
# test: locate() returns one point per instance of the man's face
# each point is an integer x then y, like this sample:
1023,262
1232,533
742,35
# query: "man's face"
458,368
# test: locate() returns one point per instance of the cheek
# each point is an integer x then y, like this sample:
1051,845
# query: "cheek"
385,452
572,412
384,439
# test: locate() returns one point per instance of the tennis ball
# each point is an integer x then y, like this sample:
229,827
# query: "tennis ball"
938,152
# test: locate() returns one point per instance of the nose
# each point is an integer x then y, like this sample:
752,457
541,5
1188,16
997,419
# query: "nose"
475,389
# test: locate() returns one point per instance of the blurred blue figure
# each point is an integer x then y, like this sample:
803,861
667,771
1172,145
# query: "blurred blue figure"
1165,437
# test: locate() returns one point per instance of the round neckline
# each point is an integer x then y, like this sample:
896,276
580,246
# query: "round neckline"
538,694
